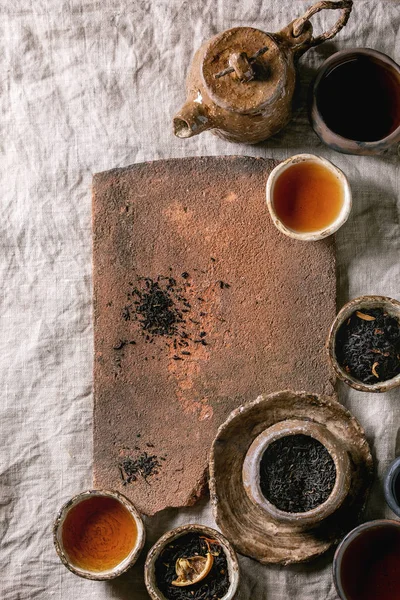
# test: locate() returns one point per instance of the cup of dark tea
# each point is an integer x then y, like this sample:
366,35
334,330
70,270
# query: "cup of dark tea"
355,102
366,565
391,486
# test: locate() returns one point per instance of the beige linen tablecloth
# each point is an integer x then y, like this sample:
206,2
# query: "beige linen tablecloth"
87,86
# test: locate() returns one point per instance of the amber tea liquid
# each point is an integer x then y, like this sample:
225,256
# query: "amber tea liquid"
360,99
98,534
307,197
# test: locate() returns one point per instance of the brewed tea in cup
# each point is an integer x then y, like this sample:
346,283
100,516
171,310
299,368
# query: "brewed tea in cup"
355,102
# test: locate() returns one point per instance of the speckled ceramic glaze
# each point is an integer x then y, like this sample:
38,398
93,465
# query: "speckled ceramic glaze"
389,486
241,82
121,567
329,137
170,536
338,452
311,236
389,305
237,509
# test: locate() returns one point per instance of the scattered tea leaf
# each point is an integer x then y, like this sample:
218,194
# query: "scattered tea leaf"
143,465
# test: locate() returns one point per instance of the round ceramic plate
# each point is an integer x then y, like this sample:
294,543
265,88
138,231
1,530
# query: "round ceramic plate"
248,527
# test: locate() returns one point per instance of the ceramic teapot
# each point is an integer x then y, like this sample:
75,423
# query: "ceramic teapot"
241,82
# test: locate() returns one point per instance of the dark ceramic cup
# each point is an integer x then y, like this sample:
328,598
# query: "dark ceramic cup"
366,562
332,105
391,486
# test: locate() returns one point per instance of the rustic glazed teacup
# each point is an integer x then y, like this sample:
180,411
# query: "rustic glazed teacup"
326,133
389,305
251,471
352,558
170,536
390,483
120,568
309,236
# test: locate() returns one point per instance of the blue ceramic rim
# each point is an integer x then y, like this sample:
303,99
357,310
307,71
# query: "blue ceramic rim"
345,543
391,476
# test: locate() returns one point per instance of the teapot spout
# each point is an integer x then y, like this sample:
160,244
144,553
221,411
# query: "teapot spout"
191,120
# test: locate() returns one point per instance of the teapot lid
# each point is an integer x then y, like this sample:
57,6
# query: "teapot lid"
243,69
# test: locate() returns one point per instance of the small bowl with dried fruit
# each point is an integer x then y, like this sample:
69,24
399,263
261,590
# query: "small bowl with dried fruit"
364,344
192,559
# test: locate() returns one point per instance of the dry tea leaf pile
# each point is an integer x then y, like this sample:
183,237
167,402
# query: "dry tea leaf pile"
297,473
368,346
192,556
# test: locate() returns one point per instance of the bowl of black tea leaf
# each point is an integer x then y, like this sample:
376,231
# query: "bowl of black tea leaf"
192,562
364,344
297,471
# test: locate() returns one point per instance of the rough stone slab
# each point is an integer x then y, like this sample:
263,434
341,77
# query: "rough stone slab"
206,217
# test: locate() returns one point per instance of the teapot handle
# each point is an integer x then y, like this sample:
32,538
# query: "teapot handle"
300,30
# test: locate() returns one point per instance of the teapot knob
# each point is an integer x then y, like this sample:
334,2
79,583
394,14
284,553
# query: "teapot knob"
239,61
240,64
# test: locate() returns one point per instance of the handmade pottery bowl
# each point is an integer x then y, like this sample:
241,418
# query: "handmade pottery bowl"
170,536
120,568
391,486
246,524
251,471
389,305
310,236
353,557
325,133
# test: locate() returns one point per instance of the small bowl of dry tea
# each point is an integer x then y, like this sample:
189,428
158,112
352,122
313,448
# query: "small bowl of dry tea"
364,344
192,561
98,534
297,471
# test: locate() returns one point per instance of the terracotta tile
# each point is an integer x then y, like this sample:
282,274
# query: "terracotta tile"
260,308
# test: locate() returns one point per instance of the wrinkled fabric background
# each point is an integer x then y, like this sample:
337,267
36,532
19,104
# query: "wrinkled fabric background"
86,86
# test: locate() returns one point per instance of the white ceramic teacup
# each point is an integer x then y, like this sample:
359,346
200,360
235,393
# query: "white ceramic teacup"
309,236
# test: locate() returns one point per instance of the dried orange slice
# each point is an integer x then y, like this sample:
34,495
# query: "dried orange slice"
192,570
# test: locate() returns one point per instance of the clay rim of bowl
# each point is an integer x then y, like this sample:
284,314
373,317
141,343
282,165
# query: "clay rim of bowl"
123,566
154,553
389,482
309,236
251,470
345,543
339,58
392,307
251,530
